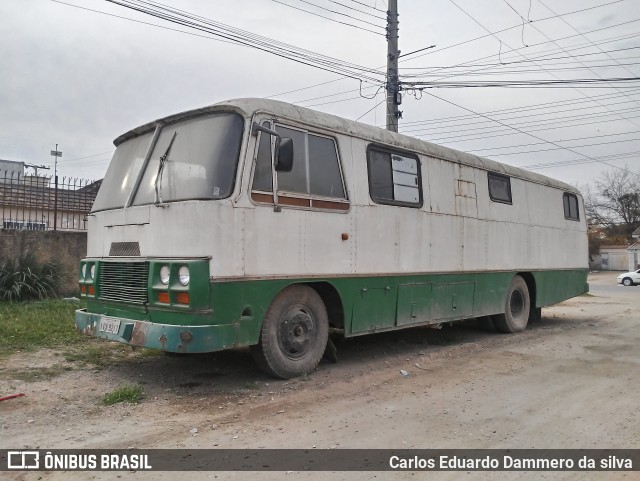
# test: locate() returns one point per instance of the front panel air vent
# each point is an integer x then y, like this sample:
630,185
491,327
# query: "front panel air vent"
124,249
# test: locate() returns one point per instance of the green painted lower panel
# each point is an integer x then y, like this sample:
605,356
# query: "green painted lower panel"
363,304
556,286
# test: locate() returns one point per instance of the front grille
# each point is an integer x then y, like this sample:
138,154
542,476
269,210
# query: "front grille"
123,281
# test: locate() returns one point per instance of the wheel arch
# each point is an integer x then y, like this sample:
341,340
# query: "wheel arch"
332,301
531,286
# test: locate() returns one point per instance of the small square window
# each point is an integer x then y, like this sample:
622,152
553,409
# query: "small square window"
570,203
394,178
499,188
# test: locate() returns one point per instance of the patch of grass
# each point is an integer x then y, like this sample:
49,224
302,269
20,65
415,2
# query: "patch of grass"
27,326
252,385
37,374
130,393
102,353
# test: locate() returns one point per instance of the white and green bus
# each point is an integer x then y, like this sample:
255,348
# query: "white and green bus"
260,223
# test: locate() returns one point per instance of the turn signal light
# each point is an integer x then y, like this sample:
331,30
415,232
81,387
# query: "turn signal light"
92,291
163,297
182,298
83,289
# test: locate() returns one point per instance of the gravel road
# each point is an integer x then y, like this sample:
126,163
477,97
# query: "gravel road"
570,381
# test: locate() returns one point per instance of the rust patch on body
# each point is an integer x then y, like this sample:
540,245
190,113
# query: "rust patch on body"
139,334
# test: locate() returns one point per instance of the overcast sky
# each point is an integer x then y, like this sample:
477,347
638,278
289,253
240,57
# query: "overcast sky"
80,78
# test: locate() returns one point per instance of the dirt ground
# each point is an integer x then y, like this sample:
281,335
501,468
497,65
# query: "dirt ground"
570,381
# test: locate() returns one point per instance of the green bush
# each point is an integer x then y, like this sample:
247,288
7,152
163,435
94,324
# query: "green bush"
24,279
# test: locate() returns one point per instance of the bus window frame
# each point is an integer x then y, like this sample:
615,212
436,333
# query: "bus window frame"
391,151
298,200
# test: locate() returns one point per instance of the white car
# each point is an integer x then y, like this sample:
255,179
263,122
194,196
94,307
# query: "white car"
629,278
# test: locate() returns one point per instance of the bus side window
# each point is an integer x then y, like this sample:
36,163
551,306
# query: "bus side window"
570,203
394,178
262,180
316,170
499,188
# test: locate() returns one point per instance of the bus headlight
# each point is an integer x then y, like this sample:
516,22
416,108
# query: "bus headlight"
183,275
164,275
92,272
84,271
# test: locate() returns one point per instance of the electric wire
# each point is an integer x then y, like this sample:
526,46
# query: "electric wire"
569,149
328,18
280,49
341,13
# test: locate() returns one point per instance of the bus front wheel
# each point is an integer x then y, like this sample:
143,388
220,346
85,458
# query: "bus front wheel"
516,309
294,333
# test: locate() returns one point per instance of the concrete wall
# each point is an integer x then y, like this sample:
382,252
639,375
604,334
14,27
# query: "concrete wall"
611,258
64,248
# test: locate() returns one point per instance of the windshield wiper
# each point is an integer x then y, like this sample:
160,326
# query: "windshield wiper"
163,160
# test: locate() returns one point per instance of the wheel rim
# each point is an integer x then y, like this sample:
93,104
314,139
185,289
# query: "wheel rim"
516,304
627,282
296,331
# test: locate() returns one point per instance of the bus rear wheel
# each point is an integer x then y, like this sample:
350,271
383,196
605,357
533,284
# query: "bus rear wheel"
516,309
294,333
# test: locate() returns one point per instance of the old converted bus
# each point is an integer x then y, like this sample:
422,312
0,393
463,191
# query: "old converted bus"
259,223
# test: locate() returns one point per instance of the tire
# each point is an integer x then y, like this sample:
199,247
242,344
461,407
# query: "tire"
294,333
516,308
627,281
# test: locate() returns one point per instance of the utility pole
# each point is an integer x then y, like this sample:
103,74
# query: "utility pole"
394,97
55,153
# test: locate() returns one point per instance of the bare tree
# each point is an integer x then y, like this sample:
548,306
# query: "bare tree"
614,203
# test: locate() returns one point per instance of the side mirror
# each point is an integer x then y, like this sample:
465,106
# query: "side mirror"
284,155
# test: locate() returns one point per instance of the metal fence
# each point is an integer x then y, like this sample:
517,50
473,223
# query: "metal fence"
44,203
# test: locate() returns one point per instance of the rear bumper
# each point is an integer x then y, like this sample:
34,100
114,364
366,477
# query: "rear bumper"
166,337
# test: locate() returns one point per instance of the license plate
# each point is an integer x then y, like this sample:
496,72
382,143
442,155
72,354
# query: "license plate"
109,325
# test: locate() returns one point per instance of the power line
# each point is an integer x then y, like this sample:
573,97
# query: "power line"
510,28
522,108
559,140
340,13
329,18
265,44
358,10
564,122
558,45
540,117
373,108
524,132
547,126
546,59
568,163
559,148
585,83
369,6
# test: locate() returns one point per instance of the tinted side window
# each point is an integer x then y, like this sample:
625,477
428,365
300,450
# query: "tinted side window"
394,178
570,203
499,188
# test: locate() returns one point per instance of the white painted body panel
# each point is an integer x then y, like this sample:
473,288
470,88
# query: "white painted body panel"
458,228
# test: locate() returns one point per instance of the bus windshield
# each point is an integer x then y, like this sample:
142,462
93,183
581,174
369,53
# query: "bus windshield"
201,164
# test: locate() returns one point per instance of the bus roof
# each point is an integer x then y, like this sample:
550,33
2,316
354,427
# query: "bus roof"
249,106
